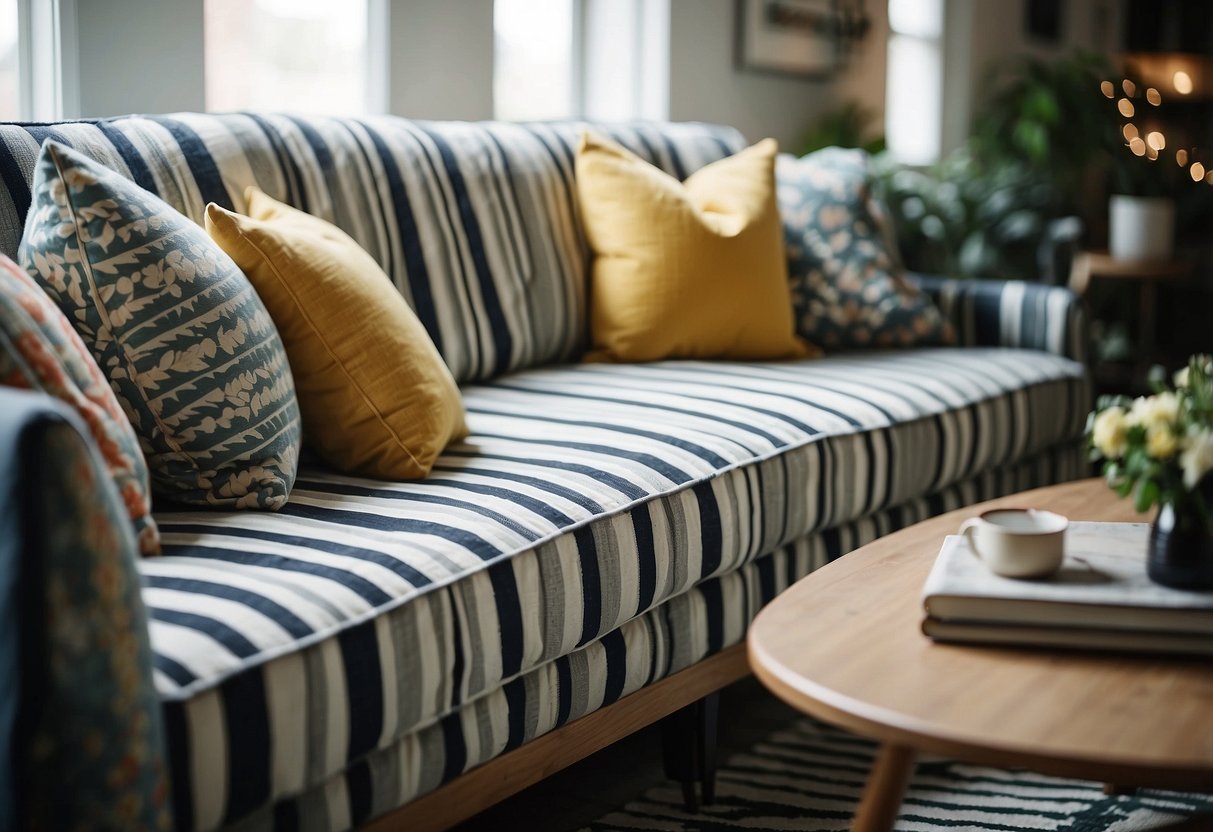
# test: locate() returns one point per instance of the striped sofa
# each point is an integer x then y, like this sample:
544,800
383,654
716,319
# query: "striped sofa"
602,528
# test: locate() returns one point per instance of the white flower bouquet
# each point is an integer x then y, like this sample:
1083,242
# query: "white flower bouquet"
1160,448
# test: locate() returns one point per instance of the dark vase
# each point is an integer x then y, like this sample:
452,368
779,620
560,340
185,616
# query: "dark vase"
1181,549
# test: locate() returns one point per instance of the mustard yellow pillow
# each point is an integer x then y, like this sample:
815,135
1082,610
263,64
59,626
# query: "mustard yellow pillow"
692,269
375,395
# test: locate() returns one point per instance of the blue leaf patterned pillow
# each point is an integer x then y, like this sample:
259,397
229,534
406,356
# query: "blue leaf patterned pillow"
847,289
177,329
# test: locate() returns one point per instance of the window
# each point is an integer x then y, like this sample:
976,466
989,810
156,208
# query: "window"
626,65
304,56
534,77
914,86
597,59
10,61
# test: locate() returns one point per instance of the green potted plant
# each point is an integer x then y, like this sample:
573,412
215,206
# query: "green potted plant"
985,209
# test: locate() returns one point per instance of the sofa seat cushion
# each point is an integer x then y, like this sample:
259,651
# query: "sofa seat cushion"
210,750
583,497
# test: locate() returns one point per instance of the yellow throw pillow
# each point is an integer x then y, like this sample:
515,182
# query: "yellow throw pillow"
693,269
375,395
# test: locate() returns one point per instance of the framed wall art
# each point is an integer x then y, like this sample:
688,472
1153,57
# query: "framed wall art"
791,37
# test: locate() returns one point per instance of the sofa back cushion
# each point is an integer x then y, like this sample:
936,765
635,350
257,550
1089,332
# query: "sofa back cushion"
475,223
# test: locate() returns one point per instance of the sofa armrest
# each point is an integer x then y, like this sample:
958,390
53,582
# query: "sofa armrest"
1011,314
82,729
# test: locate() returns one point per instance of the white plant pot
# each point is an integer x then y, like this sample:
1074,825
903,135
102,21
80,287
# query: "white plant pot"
1141,228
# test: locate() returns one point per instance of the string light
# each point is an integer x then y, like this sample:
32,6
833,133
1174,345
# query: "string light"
1137,146
1130,131
1198,171
1153,96
1108,89
1156,140
1126,107
1129,87
1181,157
1182,82
1209,177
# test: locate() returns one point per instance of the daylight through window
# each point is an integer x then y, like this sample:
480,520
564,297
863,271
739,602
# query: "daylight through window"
305,56
533,72
914,88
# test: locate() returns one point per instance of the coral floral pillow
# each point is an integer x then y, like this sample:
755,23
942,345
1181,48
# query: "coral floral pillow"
847,289
39,350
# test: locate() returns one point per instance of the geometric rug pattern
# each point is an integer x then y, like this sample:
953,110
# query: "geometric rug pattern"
810,776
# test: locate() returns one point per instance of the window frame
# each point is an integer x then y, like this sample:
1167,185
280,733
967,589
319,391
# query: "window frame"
935,43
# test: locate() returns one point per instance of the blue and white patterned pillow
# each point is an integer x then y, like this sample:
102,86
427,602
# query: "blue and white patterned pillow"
177,329
847,288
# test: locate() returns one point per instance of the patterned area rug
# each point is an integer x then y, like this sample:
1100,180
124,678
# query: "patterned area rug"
810,776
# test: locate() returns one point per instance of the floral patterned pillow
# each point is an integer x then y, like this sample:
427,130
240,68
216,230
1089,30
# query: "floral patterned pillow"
175,326
39,350
847,288
95,753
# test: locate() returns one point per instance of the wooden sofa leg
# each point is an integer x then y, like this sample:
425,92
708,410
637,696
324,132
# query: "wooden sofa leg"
688,739
709,719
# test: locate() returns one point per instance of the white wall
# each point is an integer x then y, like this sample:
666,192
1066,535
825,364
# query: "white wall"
138,56
706,85
862,79
441,59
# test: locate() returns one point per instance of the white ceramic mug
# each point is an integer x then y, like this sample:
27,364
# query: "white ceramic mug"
1018,542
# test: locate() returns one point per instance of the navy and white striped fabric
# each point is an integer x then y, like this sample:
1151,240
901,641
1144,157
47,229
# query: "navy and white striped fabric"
584,497
1011,313
225,765
600,528
476,224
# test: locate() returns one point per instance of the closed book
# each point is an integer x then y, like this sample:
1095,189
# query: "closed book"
1152,642
1102,584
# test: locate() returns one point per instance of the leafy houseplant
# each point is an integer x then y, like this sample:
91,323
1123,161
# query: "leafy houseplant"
848,125
1159,449
1049,115
984,210
965,217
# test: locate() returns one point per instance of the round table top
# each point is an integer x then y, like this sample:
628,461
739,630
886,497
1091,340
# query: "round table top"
844,645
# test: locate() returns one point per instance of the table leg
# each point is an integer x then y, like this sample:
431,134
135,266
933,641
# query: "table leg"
886,786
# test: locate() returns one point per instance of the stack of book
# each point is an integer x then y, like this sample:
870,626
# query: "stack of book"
1101,599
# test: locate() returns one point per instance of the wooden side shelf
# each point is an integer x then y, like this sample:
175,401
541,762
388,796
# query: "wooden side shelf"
1090,267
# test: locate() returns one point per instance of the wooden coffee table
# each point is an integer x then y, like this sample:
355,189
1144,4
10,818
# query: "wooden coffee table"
844,645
